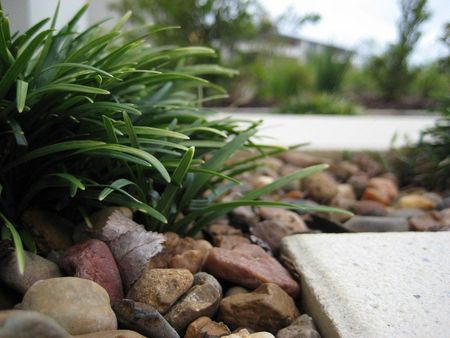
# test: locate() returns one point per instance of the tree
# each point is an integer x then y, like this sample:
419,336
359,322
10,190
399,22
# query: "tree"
391,71
216,23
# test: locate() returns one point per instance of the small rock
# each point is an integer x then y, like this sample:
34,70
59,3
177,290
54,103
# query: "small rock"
223,230
293,185
29,324
303,160
272,163
381,189
367,164
369,208
431,221
406,213
343,170
191,260
416,202
243,216
272,232
268,308
291,221
359,183
376,224
235,290
143,318
36,268
229,242
111,334
250,266
49,230
181,253
240,334
161,287
94,261
321,187
79,305
204,327
302,327
262,335
201,300
444,204
261,181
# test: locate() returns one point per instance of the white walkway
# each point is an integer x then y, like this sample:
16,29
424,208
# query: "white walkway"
369,132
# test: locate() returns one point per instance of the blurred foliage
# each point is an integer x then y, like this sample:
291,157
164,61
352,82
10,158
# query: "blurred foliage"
218,23
278,78
390,70
431,81
330,67
319,103
427,163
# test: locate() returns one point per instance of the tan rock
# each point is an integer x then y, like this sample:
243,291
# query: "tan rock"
321,187
229,242
268,308
161,288
79,305
112,334
416,202
204,327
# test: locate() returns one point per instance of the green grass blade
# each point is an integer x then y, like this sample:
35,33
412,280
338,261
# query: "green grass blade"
150,131
69,87
74,183
178,176
21,95
54,149
215,163
20,253
116,185
20,64
281,182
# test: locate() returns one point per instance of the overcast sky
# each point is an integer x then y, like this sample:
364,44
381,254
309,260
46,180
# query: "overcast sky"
366,25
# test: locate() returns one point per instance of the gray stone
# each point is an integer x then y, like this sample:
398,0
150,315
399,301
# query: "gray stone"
374,285
376,224
143,318
27,324
406,213
302,327
201,300
36,268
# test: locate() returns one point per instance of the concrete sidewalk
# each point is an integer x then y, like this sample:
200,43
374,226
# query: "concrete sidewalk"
328,132
370,285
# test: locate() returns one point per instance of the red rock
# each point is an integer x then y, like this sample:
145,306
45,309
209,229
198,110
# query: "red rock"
94,261
250,266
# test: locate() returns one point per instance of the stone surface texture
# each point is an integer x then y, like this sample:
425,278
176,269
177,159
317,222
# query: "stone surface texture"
27,324
36,268
250,266
93,260
143,318
374,285
161,288
267,308
79,305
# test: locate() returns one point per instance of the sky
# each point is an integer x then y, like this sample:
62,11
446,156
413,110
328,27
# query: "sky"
367,26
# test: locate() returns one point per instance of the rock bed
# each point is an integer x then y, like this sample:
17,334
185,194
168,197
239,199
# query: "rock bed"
117,280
